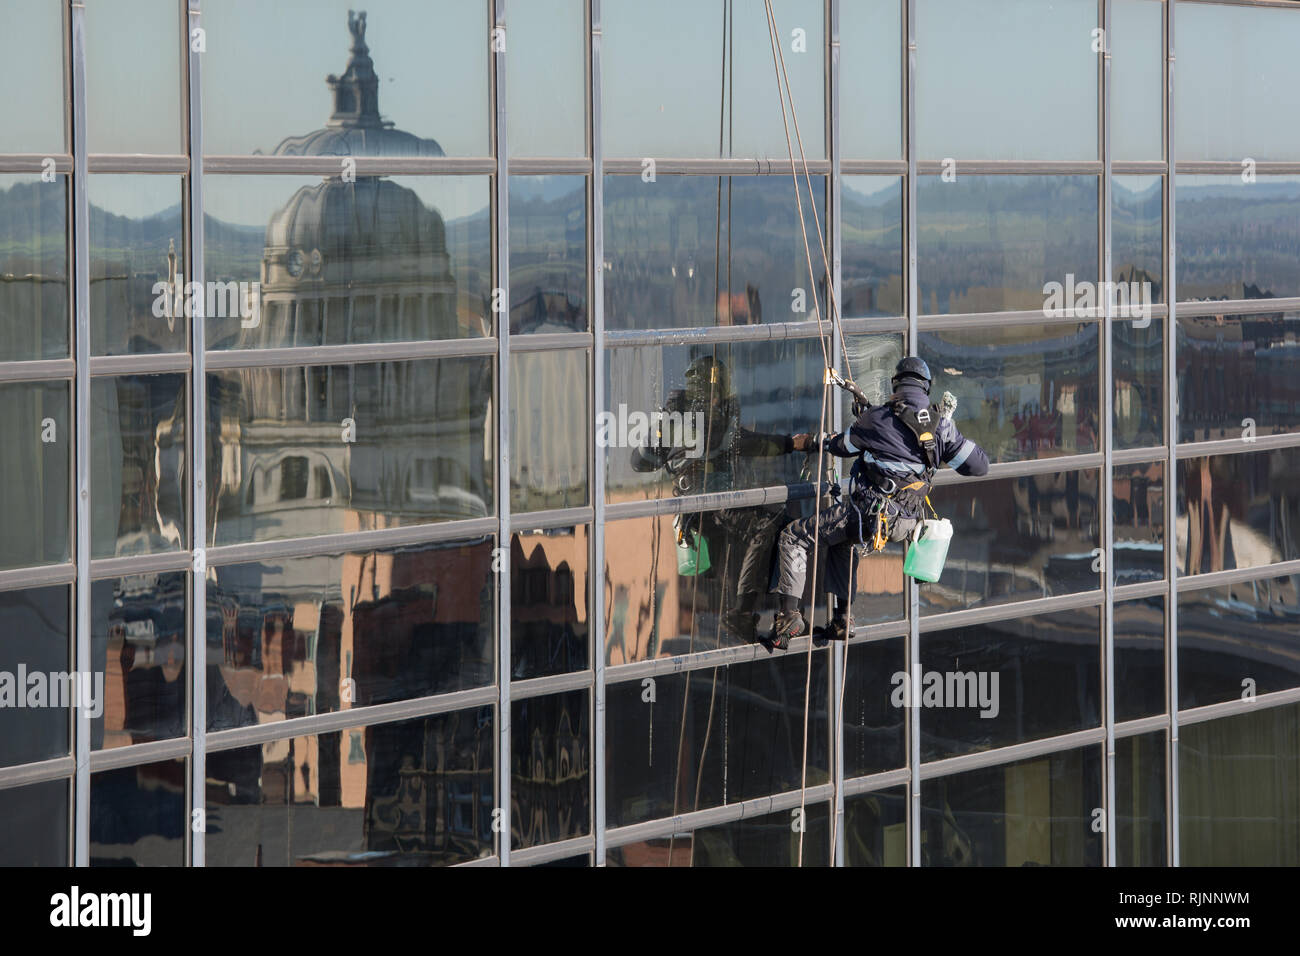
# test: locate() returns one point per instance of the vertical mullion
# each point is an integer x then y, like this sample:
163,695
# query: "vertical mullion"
197,432
1171,443
839,649
596,577
502,220
1106,414
81,301
912,722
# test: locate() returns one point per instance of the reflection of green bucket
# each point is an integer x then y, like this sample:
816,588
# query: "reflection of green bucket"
928,549
693,559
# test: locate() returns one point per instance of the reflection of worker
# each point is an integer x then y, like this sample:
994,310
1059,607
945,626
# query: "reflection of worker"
898,446
739,539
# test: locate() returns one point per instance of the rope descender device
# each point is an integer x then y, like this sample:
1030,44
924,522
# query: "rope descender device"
859,396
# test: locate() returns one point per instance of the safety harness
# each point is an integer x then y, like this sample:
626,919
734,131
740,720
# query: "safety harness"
882,498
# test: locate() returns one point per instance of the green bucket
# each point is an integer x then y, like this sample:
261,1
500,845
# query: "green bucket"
692,559
928,549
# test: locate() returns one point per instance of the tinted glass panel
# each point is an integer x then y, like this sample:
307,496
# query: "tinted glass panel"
137,265
709,250
1238,511
1036,812
140,482
138,642
412,793
1238,240
1139,658
875,828
872,246
990,79
1235,371
1137,79
993,243
301,636
1138,365
549,429
548,601
1237,641
873,728
1139,523
546,79
990,685
1238,800
321,449
763,841
1140,800
133,76
548,254
665,82
1237,75
550,781
1017,538
138,816
1137,227
31,60
1022,391
36,825
305,261
870,61
713,736
328,91
33,265
36,432
35,644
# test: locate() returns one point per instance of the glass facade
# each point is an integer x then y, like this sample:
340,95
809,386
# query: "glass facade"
337,530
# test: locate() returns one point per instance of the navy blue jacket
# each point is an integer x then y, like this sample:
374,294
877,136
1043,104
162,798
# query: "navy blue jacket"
879,437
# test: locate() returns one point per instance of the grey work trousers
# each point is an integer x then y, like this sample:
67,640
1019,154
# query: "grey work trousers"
841,527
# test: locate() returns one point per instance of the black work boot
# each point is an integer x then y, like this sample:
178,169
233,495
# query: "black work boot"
836,630
788,624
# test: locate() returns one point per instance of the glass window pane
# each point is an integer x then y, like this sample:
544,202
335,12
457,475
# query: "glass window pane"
993,79
1137,230
763,841
333,89
872,246
1237,641
871,71
1238,372
36,432
991,685
873,728
1137,79
1238,799
549,591
1139,523
711,737
37,825
546,79
411,793
137,641
31,61
668,91
35,656
139,815
34,320
1238,511
549,430
324,449
1023,391
1139,658
1237,240
139,479
1138,367
875,828
1140,800
298,261
994,243
1237,74
1036,812
550,780
671,260
133,76
137,265
548,254
327,633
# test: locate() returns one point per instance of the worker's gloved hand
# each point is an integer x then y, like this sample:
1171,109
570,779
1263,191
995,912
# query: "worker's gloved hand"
947,405
805,442
859,406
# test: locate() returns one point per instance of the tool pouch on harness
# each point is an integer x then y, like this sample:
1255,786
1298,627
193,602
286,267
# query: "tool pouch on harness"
882,499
